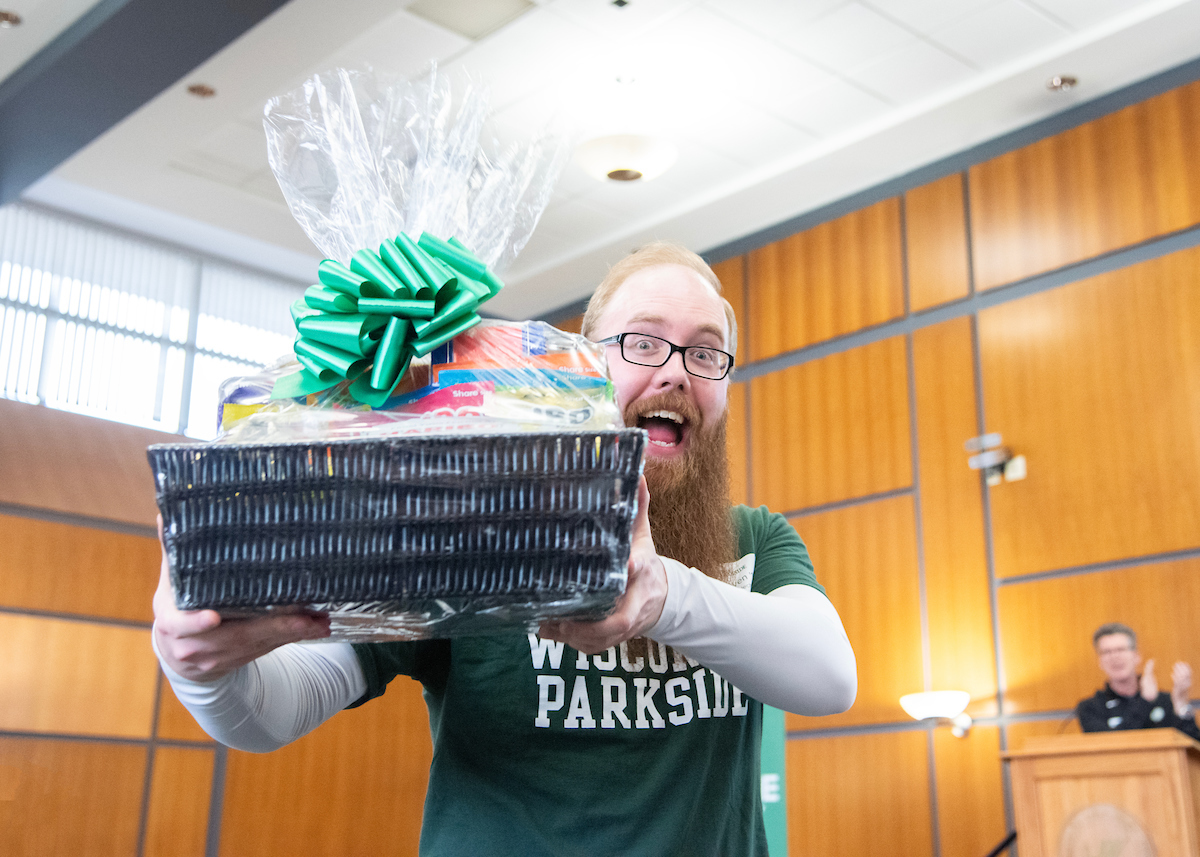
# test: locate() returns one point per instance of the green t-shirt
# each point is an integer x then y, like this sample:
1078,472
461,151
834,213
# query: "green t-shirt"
541,750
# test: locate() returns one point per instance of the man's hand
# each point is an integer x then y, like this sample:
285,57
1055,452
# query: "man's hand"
199,645
1149,685
638,609
1181,687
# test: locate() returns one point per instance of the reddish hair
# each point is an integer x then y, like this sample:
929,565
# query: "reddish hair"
657,253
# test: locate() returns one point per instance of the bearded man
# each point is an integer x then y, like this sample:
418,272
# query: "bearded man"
638,734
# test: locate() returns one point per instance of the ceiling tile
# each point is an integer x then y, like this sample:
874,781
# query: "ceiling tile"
263,184
848,36
544,244
775,19
746,133
605,18
402,44
1081,14
199,164
925,15
236,144
834,107
581,218
516,59
916,70
995,34
706,53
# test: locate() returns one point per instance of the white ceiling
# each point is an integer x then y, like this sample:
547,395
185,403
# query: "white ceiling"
777,107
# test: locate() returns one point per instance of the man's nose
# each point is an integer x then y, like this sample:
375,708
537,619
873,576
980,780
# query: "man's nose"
672,373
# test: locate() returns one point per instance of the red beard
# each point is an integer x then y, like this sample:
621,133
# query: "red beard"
689,495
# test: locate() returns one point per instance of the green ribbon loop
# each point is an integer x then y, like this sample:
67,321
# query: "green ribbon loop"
337,276
342,362
399,265
459,260
363,323
357,333
392,354
436,277
433,338
402,307
329,300
371,266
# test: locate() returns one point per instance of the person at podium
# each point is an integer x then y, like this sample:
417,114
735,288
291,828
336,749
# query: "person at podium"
1132,701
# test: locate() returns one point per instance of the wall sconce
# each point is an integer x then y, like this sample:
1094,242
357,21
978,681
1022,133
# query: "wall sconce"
948,705
995,460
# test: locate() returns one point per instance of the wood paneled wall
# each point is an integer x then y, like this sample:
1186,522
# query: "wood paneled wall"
836,278
943,581
97,757
1110,183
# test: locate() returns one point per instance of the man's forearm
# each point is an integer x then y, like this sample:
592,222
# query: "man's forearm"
276,699
788,649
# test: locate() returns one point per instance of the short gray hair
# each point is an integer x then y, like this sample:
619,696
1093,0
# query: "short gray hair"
1114,628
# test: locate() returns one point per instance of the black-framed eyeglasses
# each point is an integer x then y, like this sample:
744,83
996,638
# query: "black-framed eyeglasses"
643,349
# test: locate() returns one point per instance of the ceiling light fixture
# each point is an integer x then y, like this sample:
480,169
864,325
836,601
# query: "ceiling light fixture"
1061,82
9,19
201,90
625,157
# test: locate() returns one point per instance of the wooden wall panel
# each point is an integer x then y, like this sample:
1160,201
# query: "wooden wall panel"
832,429
75,464
736,444
859,796
1021,731
957,594
866,558
1097,383
59,568
75,677
354,786
935,227
1046,629
732,274
175,723
1110,183
833,279
70,797
970,791
177,820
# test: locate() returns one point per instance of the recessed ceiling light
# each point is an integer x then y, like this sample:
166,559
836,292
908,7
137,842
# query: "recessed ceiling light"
202,90
1061,82
9,19
625,157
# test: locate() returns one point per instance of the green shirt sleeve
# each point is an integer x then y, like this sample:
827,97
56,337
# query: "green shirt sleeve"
427,661
780,555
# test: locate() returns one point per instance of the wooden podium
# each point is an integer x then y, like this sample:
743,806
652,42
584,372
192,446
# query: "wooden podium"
1123,794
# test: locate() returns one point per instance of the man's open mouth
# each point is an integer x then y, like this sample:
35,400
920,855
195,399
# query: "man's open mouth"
665,428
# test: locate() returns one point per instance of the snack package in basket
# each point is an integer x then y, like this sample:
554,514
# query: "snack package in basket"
413,471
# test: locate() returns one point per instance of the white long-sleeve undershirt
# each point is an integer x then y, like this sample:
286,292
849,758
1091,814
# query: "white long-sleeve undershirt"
275,699
786,649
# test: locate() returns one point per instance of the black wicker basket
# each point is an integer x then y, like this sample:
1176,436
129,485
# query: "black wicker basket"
403,537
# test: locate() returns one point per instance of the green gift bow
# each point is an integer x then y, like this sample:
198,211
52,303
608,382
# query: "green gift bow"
365,322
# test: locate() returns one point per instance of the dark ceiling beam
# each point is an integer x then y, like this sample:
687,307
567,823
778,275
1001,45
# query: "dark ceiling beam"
118,56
